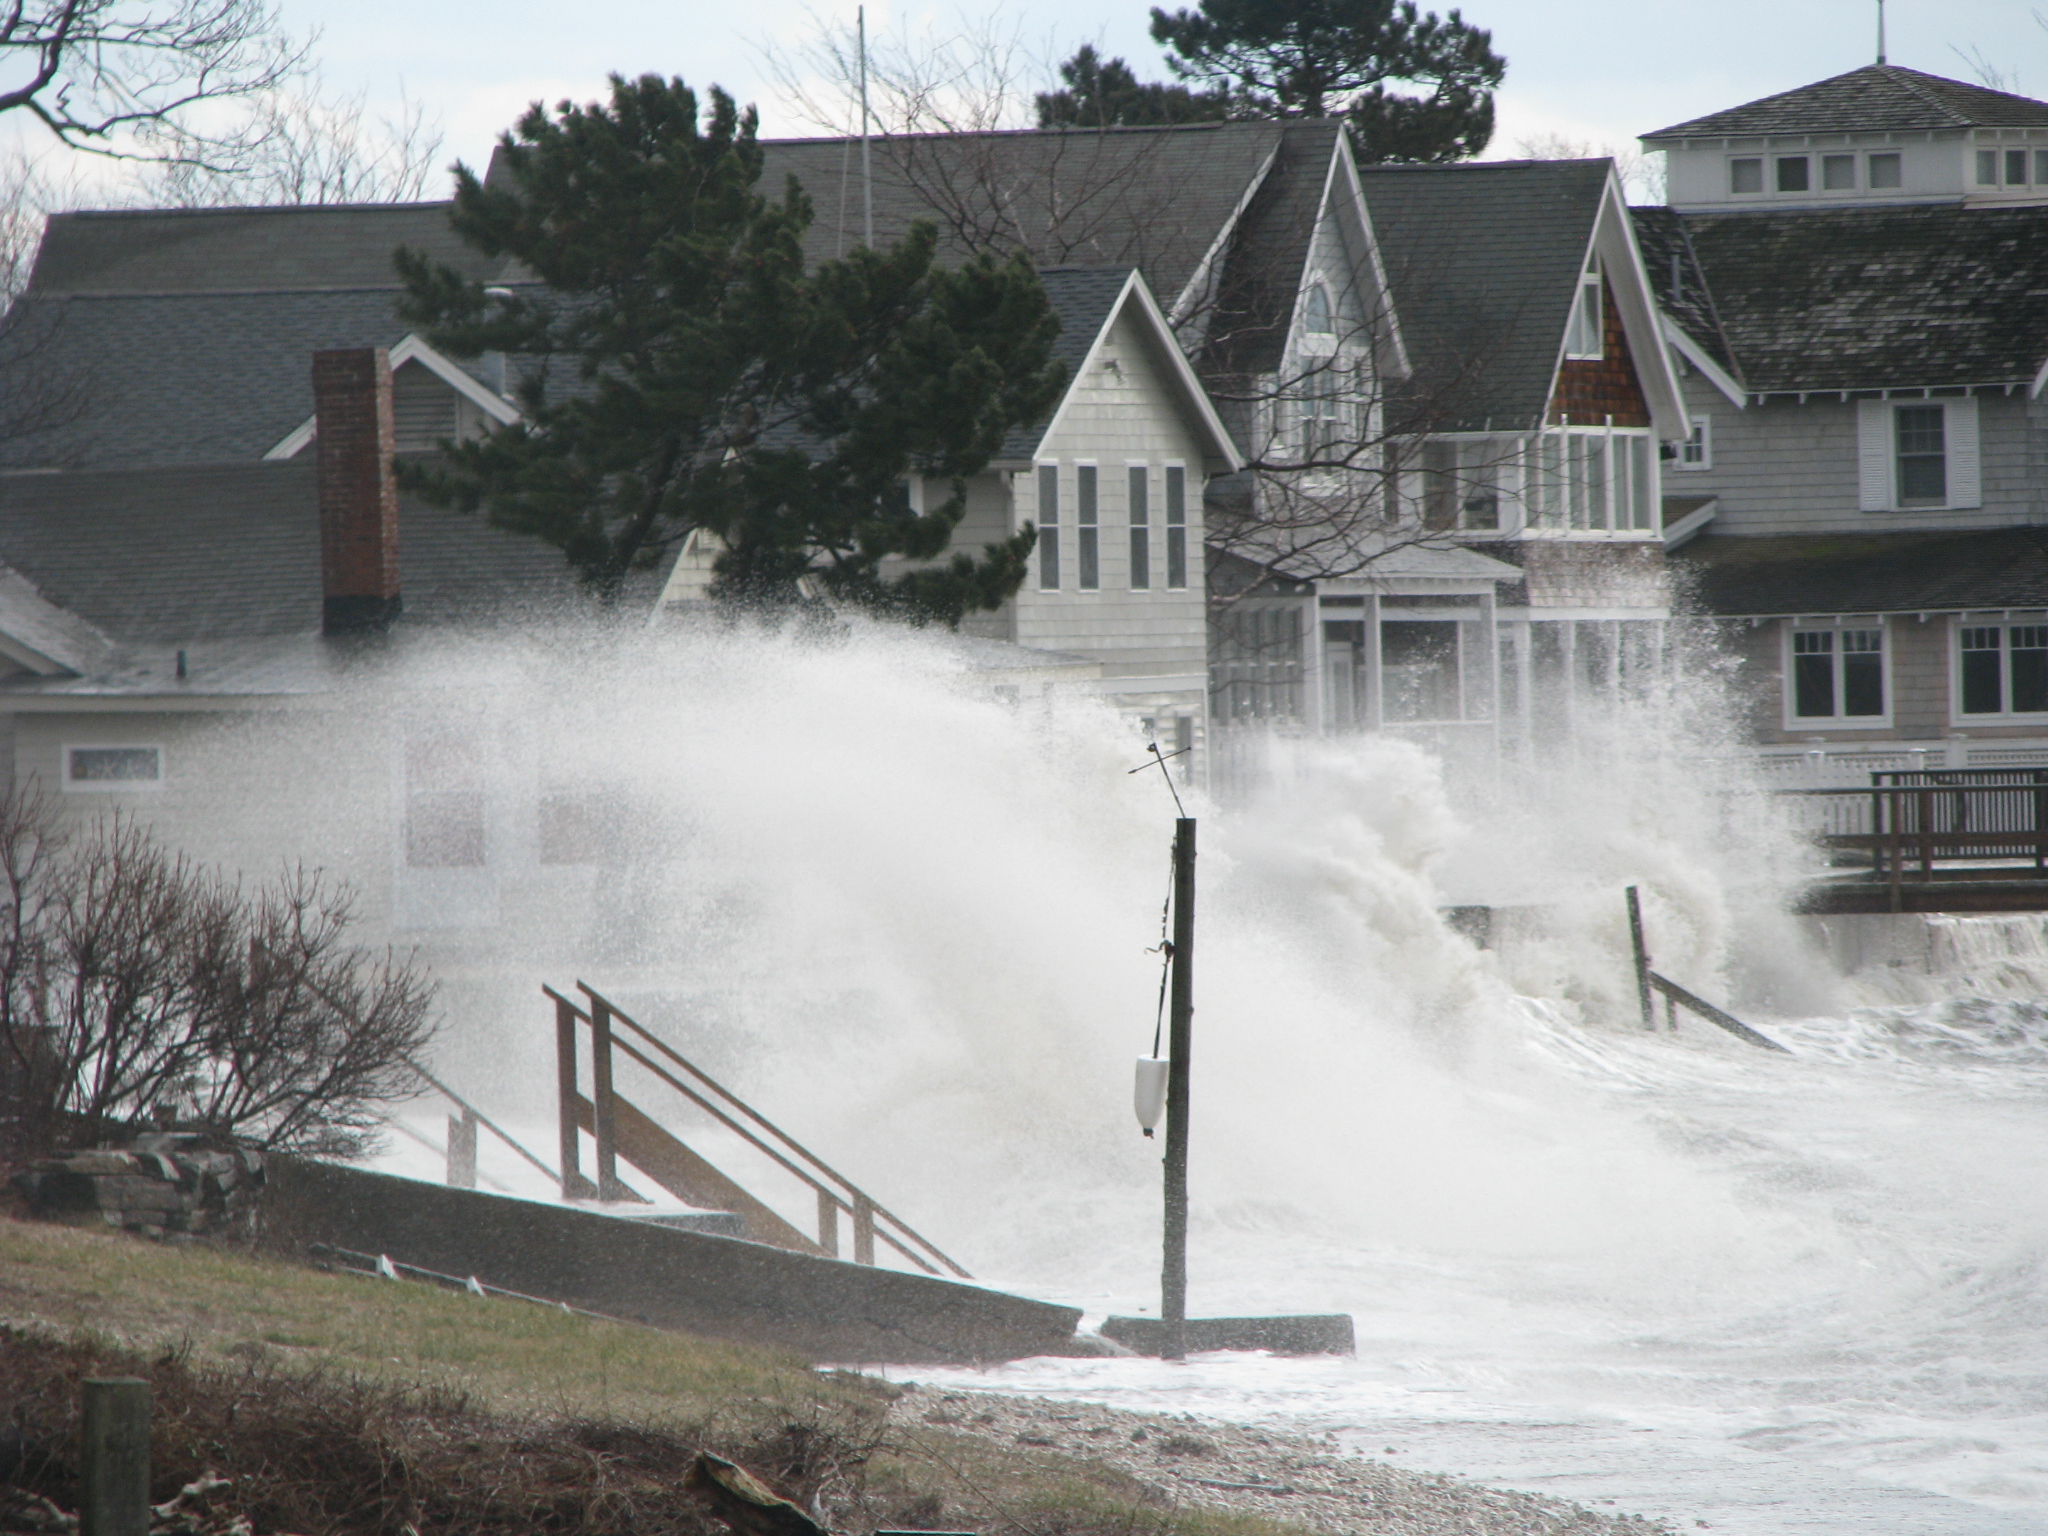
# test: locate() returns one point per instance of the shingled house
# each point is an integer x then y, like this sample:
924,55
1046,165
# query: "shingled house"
1854,277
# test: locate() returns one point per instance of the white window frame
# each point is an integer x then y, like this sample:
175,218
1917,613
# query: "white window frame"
1132,469
1833,158
72,786
1836,623
1870,181
2005,623
1317,288
1697,451
1877,453
1778,164
1048,526
1626,453
1759,162
1589,300
1189,542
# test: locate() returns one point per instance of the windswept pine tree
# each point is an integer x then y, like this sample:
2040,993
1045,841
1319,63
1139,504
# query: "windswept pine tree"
686,368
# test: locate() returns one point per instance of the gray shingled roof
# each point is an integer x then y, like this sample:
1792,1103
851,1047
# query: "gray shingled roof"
244,250
1678,281
1081,297
1262,274
183,378
1868,573
222,551
1875,298
1484,260
1878,98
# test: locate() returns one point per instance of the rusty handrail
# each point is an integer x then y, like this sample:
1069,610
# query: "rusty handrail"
864,1210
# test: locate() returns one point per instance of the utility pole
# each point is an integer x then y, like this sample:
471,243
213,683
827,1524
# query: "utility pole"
867,173
1173,1277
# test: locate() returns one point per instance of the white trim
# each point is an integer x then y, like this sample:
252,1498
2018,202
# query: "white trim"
1613,239
1396,363
1167,352
71,786
1710,370
1198,280
413,350
2002,622
1692,525
1835,623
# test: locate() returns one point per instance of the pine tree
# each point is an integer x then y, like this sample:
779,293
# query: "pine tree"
1105,93
685,368
1326,58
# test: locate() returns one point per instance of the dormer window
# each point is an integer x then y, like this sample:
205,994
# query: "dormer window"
1838,173
1585,336
1315,312
1745,176
1794,173
1885,171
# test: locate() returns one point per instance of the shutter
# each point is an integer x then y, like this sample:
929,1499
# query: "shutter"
1874,491
1965,478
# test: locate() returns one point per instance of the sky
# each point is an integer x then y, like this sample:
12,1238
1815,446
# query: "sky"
1596,72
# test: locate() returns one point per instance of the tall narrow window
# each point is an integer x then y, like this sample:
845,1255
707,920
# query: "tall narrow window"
1316,319
1585,335
2041,167
1141,527
1176,526
1088,548
1837,674
2015,167
1048,527
1922,456
1987,167
1642,483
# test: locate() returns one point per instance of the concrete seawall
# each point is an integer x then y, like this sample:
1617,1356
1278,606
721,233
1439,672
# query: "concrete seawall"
823,1309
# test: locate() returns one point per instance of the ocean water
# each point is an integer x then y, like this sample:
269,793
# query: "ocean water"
1773,1293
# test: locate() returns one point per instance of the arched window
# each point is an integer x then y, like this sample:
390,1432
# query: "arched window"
1315,311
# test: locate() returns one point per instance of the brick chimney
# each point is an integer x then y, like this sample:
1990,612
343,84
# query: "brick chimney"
358,490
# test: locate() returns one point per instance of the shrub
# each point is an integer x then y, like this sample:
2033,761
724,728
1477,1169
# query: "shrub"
139,988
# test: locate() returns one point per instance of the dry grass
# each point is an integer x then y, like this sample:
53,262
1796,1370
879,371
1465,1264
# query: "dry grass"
349,1407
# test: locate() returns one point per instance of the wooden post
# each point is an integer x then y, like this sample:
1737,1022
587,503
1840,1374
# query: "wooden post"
608,1187
1635,938
828,1222
573,1187
462,1150
1173,1277
114,1485
863,1229
1893,854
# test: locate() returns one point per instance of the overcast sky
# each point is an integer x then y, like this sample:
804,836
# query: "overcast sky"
1595,71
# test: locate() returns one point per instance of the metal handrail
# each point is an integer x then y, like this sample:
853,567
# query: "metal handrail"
853,1201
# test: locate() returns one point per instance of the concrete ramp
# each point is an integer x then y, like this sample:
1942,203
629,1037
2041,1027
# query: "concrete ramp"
821,1308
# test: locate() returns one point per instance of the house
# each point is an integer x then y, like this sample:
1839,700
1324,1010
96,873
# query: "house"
1853,278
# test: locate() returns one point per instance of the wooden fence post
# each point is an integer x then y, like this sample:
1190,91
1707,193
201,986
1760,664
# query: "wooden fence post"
565,1099
608,1186
1635,938
828,1222
114,1492
863,1229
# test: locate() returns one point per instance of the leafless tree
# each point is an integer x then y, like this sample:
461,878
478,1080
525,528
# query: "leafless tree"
978,77
306,147
136,986
116,77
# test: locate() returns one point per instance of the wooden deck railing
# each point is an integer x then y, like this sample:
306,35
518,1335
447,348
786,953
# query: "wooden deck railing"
1930,817
621,1130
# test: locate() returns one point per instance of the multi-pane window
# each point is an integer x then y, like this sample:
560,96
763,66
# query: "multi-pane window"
1885,170
1088,546
1321,410
1049,527
1585,335
114,768
1837,673
1697,451
1597,481
1922,443
1461,484
2003,669
1745,176
1793,173
1141,527
1176,526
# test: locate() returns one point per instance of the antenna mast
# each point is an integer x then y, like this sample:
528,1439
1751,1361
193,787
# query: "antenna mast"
1880,31
867,174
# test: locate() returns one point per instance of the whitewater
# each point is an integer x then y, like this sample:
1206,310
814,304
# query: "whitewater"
908,916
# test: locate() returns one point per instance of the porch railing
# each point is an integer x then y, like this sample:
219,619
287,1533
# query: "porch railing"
1928,817
622,1131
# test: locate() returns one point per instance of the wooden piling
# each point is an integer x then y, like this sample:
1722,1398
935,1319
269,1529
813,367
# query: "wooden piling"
462,1151
114,1462
1644,1001
603,1116
1173,1279
566,1098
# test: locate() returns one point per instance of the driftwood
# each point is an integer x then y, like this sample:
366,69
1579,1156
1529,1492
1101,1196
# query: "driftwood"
745,1503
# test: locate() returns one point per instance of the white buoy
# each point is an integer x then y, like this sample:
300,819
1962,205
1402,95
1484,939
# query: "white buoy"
1148,1095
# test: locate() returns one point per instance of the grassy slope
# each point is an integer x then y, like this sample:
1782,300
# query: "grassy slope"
530,1363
